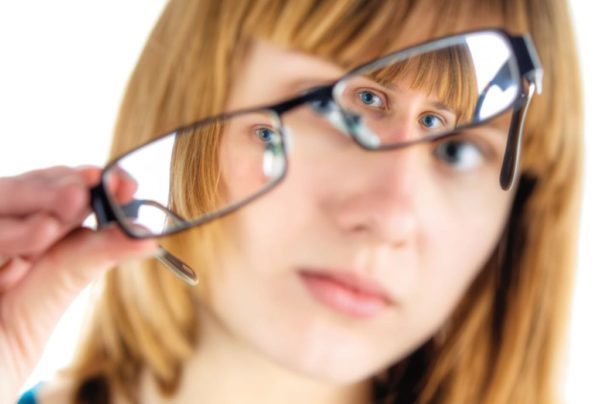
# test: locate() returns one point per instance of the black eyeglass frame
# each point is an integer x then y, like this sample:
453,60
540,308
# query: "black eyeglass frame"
530,71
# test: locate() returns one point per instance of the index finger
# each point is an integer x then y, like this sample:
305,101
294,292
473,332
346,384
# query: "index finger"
41,190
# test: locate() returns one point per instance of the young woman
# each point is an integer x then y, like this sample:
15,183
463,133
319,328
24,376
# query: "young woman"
371,240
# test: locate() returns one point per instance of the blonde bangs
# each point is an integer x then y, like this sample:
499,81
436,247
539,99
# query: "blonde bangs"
349,33
514,312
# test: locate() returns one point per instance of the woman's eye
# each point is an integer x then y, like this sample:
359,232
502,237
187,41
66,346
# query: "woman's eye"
461,155
265,135
371,99
431,121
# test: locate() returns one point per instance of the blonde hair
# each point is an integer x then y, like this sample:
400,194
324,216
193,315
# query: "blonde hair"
447,73
514,313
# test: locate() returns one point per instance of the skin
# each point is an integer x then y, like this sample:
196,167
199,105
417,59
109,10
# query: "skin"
393,217
261,324
46,258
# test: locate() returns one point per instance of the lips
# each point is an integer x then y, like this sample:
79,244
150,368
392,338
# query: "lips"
347,292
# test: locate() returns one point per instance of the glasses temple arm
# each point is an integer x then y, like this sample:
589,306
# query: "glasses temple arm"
104,215
528,60
176,266
171,262
510,164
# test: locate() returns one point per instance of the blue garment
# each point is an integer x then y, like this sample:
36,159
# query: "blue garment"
29,396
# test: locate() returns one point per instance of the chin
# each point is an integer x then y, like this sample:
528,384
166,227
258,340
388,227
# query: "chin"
333,358
341,373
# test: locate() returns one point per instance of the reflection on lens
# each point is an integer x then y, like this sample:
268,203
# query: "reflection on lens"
459,82
198,173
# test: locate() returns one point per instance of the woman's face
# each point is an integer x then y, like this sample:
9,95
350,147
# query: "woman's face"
390,223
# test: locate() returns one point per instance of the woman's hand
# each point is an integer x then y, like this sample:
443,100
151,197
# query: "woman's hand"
46,259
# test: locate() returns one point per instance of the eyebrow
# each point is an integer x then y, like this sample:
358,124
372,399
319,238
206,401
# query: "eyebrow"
436,104
442,106
296,86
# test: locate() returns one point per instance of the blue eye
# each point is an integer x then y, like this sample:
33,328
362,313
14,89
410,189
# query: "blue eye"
370,98
461,155
431,121
265,135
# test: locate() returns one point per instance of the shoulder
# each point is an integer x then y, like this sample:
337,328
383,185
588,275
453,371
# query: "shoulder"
30,396
57,390
62,390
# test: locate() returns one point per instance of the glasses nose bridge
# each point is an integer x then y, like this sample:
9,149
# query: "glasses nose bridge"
399,128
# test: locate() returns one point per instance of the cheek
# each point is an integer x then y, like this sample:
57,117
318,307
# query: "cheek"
261,301
241,170
454,246
271,228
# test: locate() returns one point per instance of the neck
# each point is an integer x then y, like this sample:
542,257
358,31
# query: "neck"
226,370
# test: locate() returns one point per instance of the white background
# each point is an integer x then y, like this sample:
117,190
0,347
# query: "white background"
63,68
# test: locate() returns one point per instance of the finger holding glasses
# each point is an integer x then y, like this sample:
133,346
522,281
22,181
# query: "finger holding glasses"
47,257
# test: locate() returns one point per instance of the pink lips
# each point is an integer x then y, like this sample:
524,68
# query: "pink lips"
346,292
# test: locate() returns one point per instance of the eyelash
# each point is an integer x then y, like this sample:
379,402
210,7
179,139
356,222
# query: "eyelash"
382,97
443,120
254,132
487,153
385,104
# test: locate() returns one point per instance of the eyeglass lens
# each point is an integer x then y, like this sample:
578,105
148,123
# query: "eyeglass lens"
449,87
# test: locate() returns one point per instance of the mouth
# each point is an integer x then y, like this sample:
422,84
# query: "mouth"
346,292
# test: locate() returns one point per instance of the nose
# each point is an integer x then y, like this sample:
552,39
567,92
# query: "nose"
377,198
395,128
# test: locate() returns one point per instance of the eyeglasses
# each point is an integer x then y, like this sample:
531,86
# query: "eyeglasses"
445,93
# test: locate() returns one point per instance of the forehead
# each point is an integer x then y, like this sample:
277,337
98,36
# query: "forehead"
312,43
350,37
426,21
